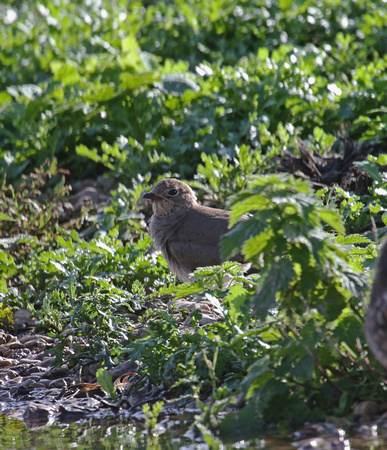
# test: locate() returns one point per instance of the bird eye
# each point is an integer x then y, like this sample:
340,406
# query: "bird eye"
172,192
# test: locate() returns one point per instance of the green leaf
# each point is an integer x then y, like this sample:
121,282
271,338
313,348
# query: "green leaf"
238,302
332,218
252,203
5,217
257,244
106,381
233,241
65,72
257,375
177,84
353,239
275,278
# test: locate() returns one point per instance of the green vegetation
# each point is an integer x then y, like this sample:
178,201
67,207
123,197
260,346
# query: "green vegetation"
217,93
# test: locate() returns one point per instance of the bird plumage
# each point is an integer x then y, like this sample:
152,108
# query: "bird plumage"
376,320
187,234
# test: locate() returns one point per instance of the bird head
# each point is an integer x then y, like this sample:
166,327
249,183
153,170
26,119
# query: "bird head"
170,194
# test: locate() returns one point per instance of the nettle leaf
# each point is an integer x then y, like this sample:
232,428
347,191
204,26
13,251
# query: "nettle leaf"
65,72
350,328
103,246
6,217
304,369
177,84
371,169
233,240
275,278
332,218
59,266
333,303
256,245
92,154
258,374
353,239
252,203
238,302
356,283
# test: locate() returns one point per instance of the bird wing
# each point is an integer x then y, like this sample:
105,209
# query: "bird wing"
196,243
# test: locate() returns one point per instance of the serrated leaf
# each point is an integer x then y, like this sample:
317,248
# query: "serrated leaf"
255,245
258,374
371,169
18,239
238,302
233,240
5,217
59,266
275,279
252,203
353,239
332,218
65,72
177,84
103,246
92,154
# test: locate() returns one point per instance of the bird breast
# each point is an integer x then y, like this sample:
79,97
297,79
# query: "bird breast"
165,226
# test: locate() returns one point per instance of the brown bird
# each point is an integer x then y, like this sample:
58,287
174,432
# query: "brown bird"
187,233
376,320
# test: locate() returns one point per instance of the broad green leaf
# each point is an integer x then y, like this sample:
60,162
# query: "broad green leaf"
255,245
353,239
238,302
106,381
252,203
6,217
275,278
332,218
65,72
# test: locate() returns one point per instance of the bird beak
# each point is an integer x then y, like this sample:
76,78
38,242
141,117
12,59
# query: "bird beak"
149,195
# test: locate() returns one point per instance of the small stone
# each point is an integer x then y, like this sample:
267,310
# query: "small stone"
6,362
47,362
206,319
16,380
33,369
8,374
3,337
59,372
45,382
5,396
367,407
59,383
22,319
34,337
36,344
38,385
14,344
93,368
37,413
27,361
123,368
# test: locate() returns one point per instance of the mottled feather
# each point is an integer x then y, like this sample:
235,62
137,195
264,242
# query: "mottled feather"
187,234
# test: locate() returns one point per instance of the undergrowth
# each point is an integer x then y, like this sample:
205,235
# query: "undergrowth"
216,93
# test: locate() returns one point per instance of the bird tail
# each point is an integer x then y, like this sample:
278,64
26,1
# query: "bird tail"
376,320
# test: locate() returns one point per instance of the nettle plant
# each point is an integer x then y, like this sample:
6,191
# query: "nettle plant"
294,335
309,296
366,210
